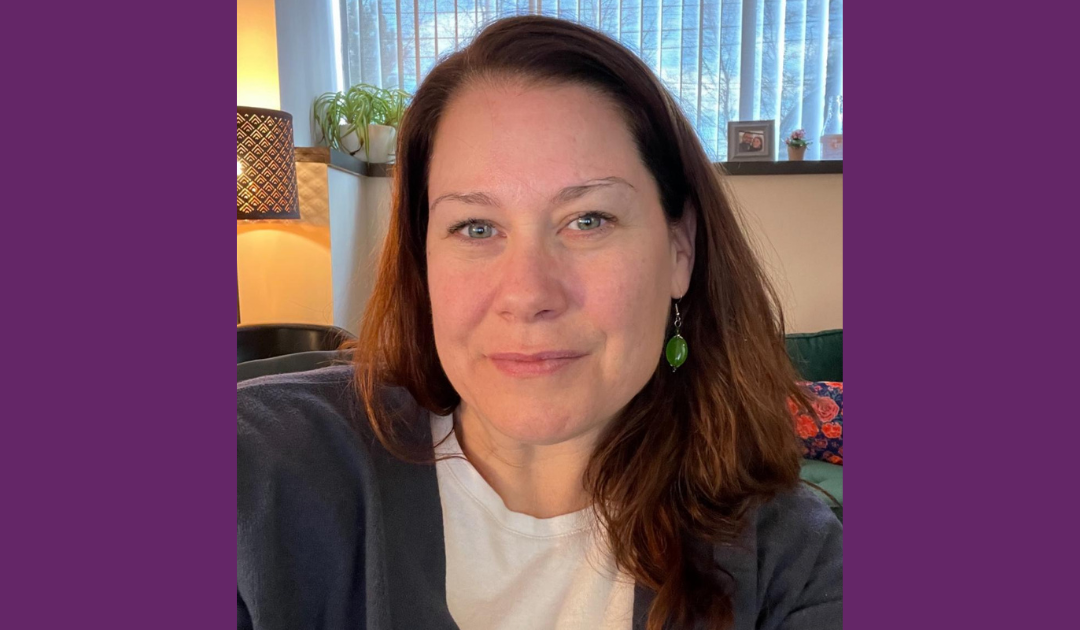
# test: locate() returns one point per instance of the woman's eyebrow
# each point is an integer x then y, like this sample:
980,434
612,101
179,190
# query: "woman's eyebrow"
565,195
473,199
574,192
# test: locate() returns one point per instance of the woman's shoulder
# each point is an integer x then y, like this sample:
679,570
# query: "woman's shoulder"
296,400
788,564
312,415
288,411
798,514
294,382
325,515
307,495
305,453
785,569
327,386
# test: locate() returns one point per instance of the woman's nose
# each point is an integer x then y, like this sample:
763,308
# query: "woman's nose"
531,283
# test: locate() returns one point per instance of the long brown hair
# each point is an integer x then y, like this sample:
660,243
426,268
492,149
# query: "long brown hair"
695,450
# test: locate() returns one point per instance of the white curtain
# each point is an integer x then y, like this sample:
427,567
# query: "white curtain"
723,60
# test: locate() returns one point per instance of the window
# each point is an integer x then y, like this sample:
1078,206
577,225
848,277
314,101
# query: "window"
721,59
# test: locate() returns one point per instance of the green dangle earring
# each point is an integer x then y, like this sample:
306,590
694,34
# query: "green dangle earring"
676,350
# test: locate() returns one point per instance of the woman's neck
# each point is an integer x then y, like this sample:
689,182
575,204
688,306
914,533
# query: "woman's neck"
542,481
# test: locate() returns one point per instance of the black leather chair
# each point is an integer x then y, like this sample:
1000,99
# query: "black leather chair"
263,341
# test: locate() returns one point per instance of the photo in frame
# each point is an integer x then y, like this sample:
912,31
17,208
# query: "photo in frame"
832,146
752,141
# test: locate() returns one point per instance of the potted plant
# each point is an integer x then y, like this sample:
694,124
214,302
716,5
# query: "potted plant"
796,145
382,130
343,118
364,116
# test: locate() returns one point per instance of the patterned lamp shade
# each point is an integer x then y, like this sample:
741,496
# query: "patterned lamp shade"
265,165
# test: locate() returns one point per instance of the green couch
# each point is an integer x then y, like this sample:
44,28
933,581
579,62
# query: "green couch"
820,357
817,357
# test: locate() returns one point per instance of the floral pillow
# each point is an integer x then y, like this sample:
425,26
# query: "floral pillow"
823,437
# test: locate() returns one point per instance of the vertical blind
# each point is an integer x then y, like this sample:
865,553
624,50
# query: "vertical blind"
723,60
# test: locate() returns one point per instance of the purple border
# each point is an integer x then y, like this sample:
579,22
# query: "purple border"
117,454
960,273
879,481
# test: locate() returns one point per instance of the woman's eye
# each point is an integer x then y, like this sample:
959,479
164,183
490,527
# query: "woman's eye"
479,231
475,230
587,222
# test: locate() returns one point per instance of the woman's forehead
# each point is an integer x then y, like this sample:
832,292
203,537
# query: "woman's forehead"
530,140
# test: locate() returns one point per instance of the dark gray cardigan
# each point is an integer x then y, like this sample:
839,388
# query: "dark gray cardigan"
333,532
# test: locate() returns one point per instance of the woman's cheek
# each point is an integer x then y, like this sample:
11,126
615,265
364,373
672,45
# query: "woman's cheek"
459,292
614,290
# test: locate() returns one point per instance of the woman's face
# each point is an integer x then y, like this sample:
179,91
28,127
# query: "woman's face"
551,265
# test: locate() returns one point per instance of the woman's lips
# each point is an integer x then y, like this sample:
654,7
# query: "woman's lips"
536,364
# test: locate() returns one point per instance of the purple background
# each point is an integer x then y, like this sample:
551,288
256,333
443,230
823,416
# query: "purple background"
117,451
118,445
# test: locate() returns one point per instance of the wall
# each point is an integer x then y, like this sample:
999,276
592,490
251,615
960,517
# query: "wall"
352,238
796,225
256,54
306,61
290,282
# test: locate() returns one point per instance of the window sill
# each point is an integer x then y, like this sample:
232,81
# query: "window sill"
343,161
807,167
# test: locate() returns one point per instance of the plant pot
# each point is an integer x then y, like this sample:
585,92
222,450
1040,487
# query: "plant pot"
350,141
381,140
795,154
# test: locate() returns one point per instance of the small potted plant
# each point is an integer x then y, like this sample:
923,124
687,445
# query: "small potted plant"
340,120
362,117
389,107
796,145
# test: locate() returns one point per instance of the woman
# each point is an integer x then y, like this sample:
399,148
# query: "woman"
513,447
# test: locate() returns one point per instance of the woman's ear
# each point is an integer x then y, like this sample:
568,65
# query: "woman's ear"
682,251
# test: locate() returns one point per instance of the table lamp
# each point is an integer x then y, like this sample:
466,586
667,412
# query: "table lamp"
265,169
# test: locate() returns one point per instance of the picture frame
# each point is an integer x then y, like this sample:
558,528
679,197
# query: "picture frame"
752,141
832,146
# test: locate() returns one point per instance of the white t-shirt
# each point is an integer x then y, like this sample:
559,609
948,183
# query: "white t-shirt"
506,570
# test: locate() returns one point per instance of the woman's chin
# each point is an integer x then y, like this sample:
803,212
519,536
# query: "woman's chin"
537,423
